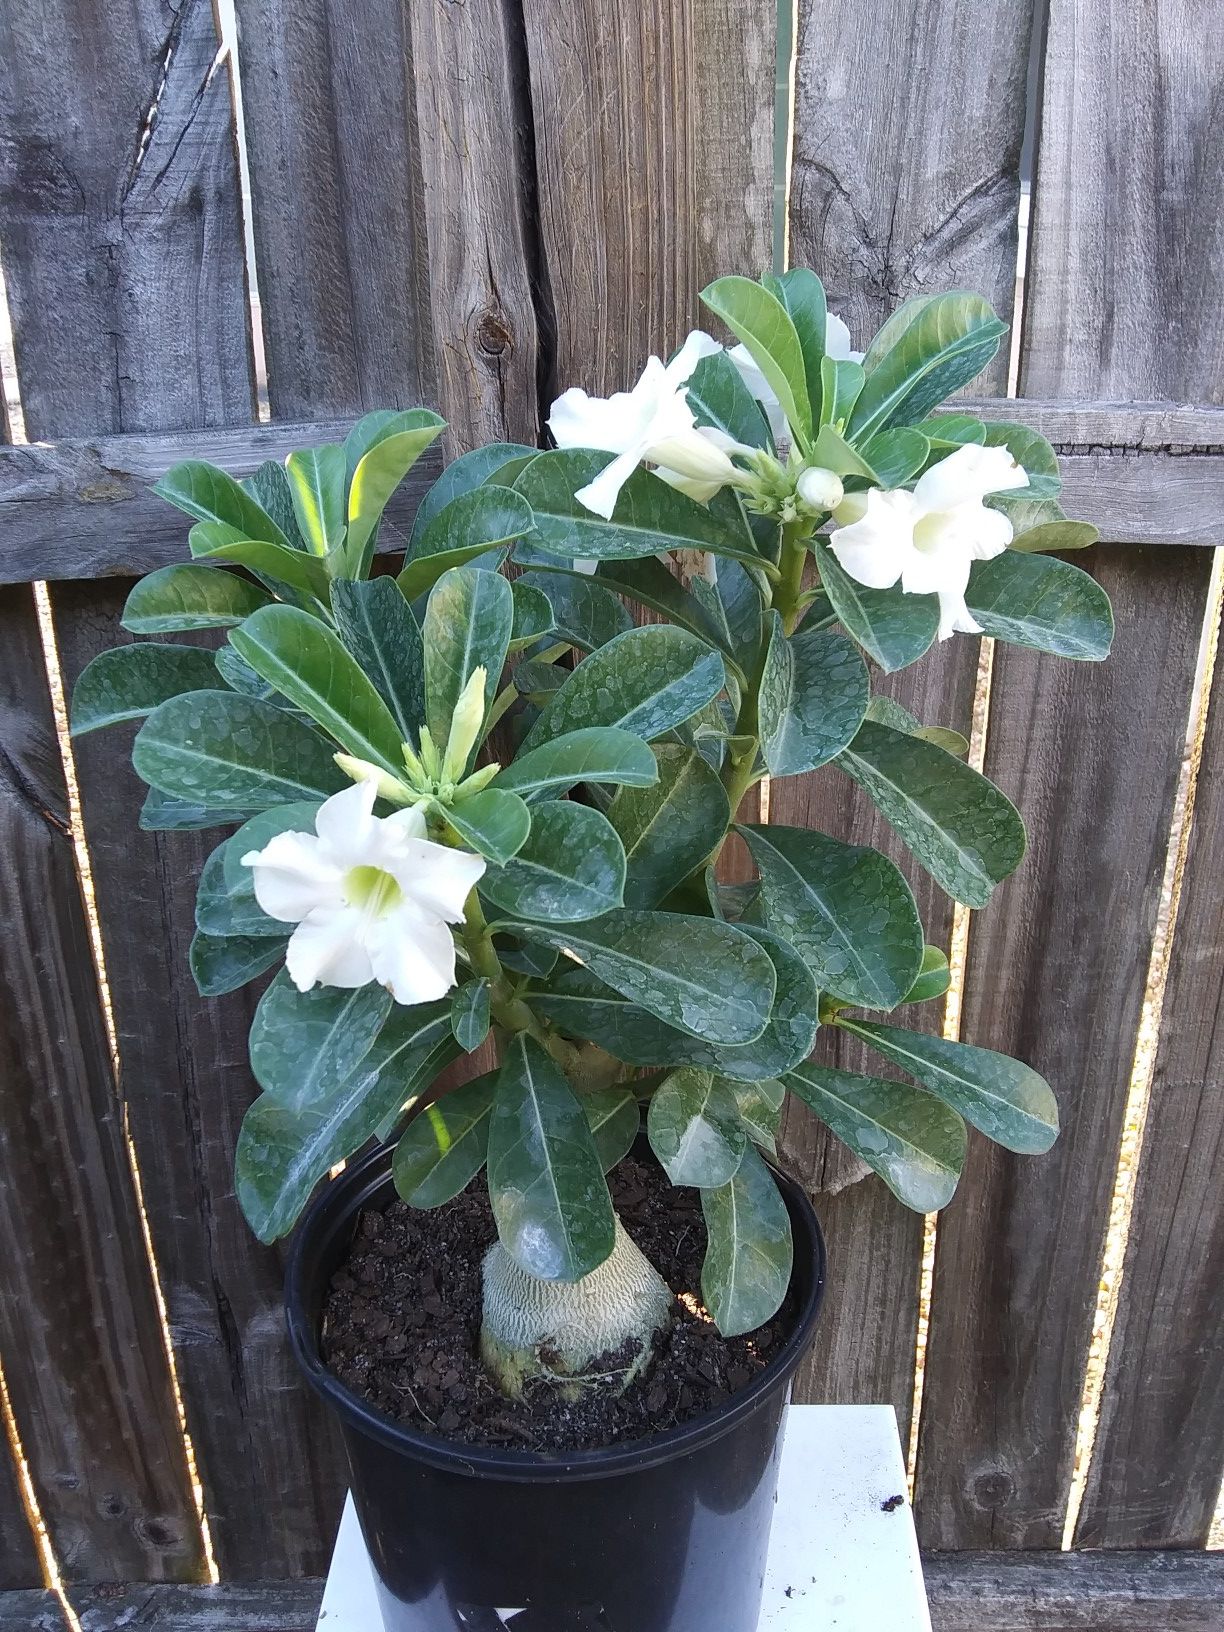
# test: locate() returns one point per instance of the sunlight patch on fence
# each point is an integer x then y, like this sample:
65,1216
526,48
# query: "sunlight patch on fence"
1144,1062
34,1518
227,26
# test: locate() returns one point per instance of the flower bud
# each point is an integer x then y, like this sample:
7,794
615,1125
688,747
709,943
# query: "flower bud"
362,770
819,489
465,726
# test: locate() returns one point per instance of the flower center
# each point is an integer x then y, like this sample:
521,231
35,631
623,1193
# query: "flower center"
372,889
928,529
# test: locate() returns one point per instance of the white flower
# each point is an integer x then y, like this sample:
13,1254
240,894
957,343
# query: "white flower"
821,489
653,423
371,896
837,346
931,537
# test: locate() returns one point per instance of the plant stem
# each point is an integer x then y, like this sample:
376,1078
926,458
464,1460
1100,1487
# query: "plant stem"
789,593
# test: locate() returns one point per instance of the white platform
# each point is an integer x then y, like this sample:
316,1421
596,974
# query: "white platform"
841,1558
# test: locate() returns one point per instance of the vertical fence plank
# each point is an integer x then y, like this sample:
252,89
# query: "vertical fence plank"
78,1326
1155,1471
897,189
1157,1462
148,329
654,146
1057,967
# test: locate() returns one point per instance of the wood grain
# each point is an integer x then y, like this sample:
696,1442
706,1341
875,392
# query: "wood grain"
654,148
1147,473
1114,307
1075,1592
1159,1451
258,1606
183,1075
79,1335
895,190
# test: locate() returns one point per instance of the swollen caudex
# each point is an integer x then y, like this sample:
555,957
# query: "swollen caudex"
562,1330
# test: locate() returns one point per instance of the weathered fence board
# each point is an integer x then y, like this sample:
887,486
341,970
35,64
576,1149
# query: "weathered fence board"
173,242
1019,1253
79,1335
654,150
893,193
1159,1451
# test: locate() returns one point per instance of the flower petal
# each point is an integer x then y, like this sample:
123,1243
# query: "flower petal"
837,341
760,388
326,949
970,472
435,878
413,957
697,345
694,455
876,549
601,494
954,616
346,823
409,823
292,875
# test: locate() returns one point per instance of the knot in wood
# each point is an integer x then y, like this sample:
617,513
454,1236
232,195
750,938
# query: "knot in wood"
992,1490
493,334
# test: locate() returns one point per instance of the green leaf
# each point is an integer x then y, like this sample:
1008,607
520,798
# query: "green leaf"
934,977
190,596
443,1148
470,1014
233,753
533,617
841,382
472,525
846,910
1036,601
202,491
748,1258
953,430
269,487
718,396
1002,1098
760,1110
384,423
524,957
546,1183
493,823
585,1007
401,441
893,628
240,676
1056,536
649,583
223,964
316,481
649,516
376,623
964,831
897,455
584,613
227,906
700,976
463,475
305,1044
282,1154
764,325
1032,453
947,342
695,1130
307,663
669,828
803,295
646,681
468,624
615,1122
912,1140
570,867
833,452
129,682
597,753
163,813
304,574
813,696
887,711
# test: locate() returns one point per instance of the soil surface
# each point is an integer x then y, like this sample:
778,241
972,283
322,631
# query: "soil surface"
402,1321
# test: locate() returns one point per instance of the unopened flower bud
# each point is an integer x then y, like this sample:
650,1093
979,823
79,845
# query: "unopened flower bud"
820,489
466,722
362,770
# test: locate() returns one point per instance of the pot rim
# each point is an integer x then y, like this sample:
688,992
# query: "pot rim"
344,1196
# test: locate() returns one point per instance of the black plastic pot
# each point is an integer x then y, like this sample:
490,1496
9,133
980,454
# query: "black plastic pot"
667,1534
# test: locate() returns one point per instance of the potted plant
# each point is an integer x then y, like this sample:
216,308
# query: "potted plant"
472,809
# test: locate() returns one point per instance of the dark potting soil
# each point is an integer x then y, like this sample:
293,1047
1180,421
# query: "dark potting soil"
402,1321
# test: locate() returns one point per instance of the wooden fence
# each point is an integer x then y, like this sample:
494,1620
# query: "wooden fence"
473,205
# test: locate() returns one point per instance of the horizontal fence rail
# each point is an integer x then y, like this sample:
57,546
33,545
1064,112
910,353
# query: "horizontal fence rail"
472,207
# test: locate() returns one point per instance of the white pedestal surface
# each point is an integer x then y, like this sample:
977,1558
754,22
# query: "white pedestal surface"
843,1556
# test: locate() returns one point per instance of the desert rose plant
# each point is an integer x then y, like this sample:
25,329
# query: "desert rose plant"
419,884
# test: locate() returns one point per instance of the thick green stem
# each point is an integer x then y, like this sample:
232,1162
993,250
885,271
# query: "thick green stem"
788,595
